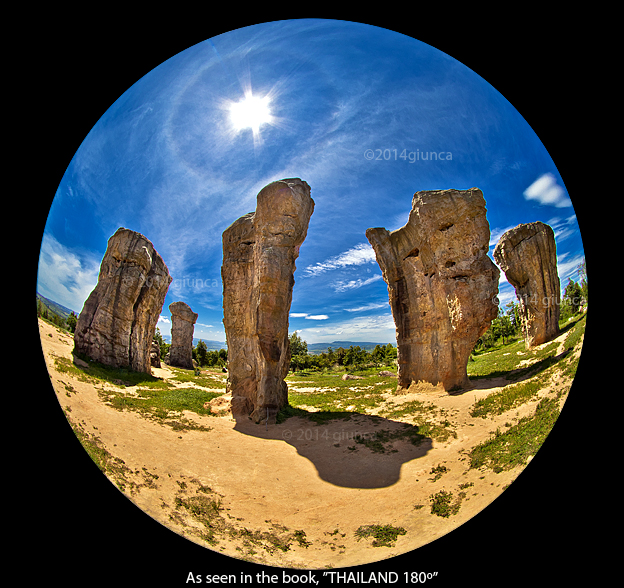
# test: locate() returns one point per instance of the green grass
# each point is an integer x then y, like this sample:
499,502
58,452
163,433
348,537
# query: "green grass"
505,450
383,535
114,467
205,379
97,372
512,396
160,403
333,398
506,399
155,397
505,360
443,505
381,440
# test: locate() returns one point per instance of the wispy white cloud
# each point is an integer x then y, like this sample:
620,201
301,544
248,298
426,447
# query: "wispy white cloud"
360,254
163,320
563,228
65,275
497,233
547,191
344,285
567,267
370,306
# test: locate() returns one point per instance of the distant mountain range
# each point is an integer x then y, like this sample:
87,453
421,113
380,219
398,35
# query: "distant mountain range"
210,344
322,347
55,307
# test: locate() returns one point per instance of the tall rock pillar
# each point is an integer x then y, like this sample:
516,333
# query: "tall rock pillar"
118,319
259,253
183,320
441,283
528,256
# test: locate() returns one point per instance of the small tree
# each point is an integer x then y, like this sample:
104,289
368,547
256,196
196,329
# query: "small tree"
582,273
297,345
201,353
571,300
72,319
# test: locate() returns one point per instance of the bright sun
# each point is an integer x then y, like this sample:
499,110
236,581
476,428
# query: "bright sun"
250,112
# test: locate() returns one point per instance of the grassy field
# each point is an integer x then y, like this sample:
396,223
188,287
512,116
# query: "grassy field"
322,396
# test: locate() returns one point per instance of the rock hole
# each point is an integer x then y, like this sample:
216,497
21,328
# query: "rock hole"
446,227
449,264
413,253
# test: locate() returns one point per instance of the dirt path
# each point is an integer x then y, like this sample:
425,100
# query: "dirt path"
292,494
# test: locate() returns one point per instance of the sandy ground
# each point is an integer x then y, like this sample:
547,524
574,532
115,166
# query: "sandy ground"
294,476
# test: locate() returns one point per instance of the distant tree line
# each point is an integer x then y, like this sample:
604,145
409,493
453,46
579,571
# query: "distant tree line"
69,323
213,358
353,358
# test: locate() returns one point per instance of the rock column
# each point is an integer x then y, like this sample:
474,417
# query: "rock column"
441,283
528,256
117,323
259,253
182,327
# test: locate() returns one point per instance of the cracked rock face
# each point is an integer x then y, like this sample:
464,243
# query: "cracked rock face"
259,253
182,327
441,283
117,323
528,256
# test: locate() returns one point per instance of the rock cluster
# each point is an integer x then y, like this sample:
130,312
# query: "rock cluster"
259,253
182,327
155,354
528,256
117,323
441,283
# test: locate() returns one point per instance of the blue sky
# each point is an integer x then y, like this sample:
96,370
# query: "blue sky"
168,160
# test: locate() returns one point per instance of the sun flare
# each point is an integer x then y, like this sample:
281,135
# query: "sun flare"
251,112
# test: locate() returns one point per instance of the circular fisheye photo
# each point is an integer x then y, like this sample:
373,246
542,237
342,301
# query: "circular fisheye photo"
311,294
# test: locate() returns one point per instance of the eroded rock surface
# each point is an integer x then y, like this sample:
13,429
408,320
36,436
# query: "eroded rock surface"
441,284
117,323
155,354
259,253
182,327
528,256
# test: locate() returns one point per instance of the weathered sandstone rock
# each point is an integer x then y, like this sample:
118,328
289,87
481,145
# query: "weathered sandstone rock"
441,284
155,354
259,253
182,327
117,323
528,256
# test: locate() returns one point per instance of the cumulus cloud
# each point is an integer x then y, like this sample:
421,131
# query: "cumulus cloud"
311,317
66,276
164,320
546,190
378,328
360,254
